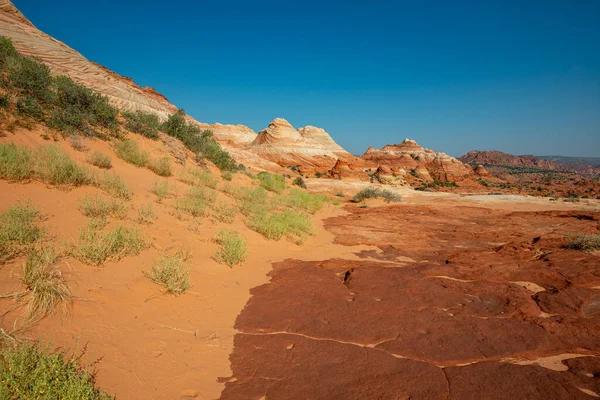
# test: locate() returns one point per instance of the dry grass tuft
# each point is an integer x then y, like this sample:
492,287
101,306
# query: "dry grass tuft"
171,272
95,247
233,248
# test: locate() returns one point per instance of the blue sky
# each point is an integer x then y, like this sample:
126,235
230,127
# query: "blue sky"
517,76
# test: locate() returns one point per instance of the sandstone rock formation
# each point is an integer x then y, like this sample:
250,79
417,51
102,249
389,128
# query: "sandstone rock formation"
495,157
481,171
425,163
310,147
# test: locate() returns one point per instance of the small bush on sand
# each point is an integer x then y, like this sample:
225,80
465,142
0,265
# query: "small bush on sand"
114,186
28,106
95,247
79,143
224,213
100,160
370,193
16,162
233,248
129,151
205,178
209,195
160,189
227,176
293,225
303,201
18,230
583,242
46,286
146,215
198,177
273,183
160,166
143,123
298,181
196,207
252,201
55,167
171,272
30,371
96,206
340,194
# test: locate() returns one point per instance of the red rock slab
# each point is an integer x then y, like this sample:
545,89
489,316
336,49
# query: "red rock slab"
286,366
494,380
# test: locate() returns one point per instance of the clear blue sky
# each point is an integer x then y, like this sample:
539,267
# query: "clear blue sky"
518,76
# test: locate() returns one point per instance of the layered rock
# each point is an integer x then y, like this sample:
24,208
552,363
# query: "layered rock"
495,157
424,163
481,171
309,147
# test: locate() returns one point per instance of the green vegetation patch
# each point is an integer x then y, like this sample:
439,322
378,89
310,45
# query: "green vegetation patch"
233,248
142,123
171,272
583,242
376,193
18,230
95,247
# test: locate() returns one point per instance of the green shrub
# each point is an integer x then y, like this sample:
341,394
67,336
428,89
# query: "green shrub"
200,142
55,167
233,248
46,286
7,50
370,193
30,371
96,206
30,77
299,182
129,151
30,107
78,143
95,247
273,183
252,201
100,160
196,207
171,272
160,166
114,186
208,195
160,189
303,201
78,108
227,176
583,242
4,101
16,162
340,194
224,213
146,215
293,225
18,230
143,123
196,176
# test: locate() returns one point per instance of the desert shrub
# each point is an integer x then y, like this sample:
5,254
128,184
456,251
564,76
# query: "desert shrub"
143,123
208,195
54,166
298,181
146,215
30,371
78,143
340,194
4,101
224,213
95,247
129,151
194,206
252,201
200,142
97,206
196,176
114,186
296,226
233,248
100,160
370,193
16,162
46,286
30,107
160,166
160,189
273,183
303,201
30,77
97,223
227,176
7,50
171,272
583,242
78,108
18,230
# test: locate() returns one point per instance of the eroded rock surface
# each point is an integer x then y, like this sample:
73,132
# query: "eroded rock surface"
459,303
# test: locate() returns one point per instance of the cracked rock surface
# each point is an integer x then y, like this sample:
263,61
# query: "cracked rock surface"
458,303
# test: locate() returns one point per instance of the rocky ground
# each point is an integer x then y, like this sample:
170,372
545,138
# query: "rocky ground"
462,301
